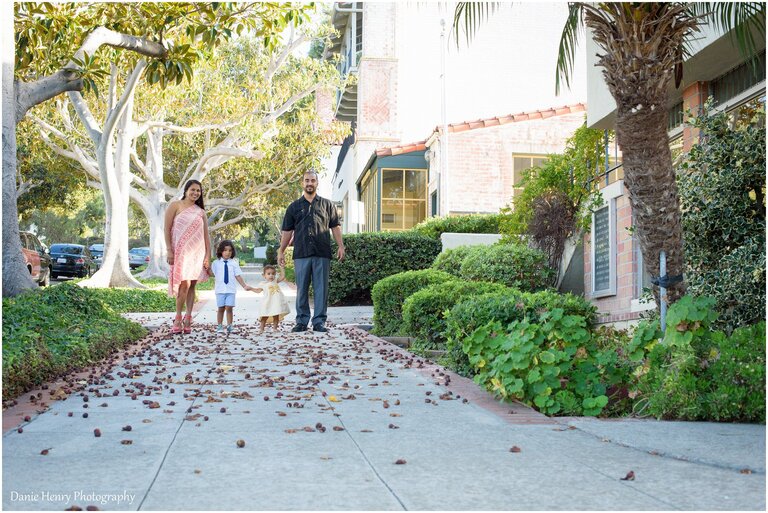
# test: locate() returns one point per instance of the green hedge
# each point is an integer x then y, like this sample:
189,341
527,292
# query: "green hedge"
423,311
511,305
722,205
434,227
513,265
371,257
450,260
51,331
390,293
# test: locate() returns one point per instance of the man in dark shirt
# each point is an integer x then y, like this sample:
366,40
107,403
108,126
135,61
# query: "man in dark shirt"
309,220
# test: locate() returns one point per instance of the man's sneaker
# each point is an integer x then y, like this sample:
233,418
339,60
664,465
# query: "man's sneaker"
320,328
229,329
299,327
219,329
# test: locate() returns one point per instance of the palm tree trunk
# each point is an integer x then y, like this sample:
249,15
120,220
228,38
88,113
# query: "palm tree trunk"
650,180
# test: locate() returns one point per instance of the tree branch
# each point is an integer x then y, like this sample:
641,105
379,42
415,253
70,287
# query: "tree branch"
120,106
85,115
29,94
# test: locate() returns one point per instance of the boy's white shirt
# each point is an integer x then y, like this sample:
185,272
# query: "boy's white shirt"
218,271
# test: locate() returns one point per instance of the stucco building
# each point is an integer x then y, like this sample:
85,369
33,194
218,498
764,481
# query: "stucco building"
409,77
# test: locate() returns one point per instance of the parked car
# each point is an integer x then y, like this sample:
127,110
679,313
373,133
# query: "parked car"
36,258
138,257
97,253
72,260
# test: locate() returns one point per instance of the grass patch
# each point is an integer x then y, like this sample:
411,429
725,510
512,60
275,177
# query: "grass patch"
123,300
49,332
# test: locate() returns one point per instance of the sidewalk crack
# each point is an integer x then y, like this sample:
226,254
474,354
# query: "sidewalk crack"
360,449
167,450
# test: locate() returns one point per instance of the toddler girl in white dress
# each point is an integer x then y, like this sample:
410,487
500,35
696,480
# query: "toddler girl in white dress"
273,304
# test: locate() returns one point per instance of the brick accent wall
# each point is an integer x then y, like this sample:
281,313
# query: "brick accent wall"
694,97
617,307
480,165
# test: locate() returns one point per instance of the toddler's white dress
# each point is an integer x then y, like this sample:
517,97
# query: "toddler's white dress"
274,302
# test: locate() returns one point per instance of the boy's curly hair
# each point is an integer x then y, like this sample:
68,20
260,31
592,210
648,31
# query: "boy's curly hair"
223,244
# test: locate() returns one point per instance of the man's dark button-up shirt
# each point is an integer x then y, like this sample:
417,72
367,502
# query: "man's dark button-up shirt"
311,224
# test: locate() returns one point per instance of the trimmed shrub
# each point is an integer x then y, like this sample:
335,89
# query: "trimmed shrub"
389,294
513,265
371,257
696,373
49,332
434,227
450,260
722,204
511,305
423,311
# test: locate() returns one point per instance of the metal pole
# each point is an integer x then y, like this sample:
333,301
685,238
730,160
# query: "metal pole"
663,290
442,196
607,160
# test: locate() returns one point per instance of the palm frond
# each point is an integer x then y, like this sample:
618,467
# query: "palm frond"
743,21
471,15
568,42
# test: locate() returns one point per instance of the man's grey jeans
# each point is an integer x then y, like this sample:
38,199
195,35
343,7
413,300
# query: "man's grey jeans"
314,269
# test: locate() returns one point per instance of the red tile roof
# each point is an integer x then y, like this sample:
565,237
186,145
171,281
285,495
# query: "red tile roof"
484,123
514,118
400,149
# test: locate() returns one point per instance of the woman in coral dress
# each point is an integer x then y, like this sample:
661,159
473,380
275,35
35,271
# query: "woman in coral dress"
189,250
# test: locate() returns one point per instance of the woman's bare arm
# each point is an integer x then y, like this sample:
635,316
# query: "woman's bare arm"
170,215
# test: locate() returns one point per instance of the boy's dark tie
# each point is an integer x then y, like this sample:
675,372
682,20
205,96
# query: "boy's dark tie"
226,272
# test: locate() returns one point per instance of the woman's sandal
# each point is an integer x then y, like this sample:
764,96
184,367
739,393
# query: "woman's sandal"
176,325
188,323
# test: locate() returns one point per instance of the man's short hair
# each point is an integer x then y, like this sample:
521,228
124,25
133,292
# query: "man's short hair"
310,172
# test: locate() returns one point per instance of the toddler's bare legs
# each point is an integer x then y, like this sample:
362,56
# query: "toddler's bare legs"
276,322
263,321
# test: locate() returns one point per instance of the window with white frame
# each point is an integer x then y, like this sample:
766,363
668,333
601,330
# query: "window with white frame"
604,250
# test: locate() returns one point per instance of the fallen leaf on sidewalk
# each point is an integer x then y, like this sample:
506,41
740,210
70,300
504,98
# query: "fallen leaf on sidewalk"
745,471
630,476
334,399
515,448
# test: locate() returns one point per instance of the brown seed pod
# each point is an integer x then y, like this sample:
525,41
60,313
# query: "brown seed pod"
97,432
514,448
400,462
126,442
241,443
44,452
127,428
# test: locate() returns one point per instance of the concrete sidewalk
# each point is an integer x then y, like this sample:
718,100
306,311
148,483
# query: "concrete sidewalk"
345,421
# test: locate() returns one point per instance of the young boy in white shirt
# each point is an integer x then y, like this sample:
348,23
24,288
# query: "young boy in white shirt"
226,270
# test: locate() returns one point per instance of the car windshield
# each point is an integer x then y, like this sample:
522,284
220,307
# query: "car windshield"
66,248
140,251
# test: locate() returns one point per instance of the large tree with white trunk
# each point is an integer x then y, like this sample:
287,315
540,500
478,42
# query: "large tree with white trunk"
67,48
248,104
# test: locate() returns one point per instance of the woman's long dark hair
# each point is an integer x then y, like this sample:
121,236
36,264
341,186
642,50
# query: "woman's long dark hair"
189,184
